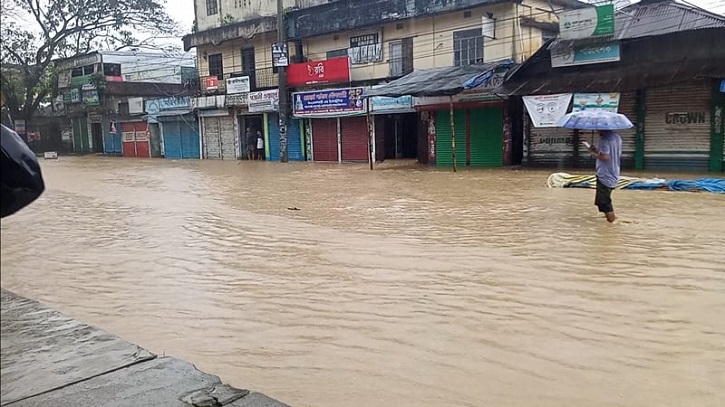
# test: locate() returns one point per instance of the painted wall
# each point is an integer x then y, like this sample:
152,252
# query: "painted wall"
433,40
242,10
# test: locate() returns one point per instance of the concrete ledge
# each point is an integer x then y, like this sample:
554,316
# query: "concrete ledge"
49,359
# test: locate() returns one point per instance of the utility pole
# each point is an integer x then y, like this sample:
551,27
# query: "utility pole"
282,70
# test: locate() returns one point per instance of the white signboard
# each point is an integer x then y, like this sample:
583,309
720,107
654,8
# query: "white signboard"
264,101
587,22
547,110
488,27
135,105
596,101
238,85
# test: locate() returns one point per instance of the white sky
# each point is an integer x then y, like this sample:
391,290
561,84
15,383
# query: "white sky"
183,10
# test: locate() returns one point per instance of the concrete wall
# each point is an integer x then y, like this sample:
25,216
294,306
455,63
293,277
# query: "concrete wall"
239,10
433,39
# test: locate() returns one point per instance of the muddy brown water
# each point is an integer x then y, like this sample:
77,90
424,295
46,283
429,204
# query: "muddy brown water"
399,287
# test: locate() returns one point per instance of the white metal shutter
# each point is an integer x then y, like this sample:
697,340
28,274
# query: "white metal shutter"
228,138
550,147
212,138
677,127
628,107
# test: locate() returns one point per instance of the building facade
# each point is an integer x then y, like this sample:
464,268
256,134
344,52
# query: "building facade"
102,94
337,51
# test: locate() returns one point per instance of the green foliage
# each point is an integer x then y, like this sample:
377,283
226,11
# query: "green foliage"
63,29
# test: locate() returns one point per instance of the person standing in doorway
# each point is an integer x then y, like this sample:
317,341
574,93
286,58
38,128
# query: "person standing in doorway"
251,143
608,155
260,146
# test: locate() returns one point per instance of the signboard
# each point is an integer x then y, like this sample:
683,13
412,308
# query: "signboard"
325,102
488,27
90,98
596,101
208,102
596,54
388,104
264,101
64,79
722,86
20,126
135,105
547,110
237,99
211,83
587,22
92,59
333,70
365,49
170,103
66,135
238,85
280,56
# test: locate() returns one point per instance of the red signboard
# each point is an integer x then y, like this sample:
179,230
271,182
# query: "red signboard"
336,70
212,83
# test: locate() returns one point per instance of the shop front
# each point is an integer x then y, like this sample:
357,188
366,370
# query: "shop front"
219,139
478,123
396,129
177,125
337,123
135,139
266,103
677,127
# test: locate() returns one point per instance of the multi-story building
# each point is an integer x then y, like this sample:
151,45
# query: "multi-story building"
340,49
103,96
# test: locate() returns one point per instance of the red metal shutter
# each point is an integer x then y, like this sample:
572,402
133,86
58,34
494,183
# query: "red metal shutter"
354,138
324,139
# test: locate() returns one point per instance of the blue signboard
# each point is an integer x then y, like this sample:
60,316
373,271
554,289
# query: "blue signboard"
326,102
387,104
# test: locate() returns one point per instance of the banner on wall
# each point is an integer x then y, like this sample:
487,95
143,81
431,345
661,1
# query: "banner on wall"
547,110
596,101
325,102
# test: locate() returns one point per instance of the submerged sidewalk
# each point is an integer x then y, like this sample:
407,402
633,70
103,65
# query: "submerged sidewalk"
49,359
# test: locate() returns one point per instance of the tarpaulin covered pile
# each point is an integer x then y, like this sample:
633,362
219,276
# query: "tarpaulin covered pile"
564,180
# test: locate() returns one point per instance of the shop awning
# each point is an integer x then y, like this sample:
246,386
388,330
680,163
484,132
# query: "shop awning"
444,81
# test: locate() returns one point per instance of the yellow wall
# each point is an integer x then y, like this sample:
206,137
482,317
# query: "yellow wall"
433,40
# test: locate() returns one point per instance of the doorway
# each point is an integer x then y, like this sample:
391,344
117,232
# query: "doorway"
401,136
97,134
253,124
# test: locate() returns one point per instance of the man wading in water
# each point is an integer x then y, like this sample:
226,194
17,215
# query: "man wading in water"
608,155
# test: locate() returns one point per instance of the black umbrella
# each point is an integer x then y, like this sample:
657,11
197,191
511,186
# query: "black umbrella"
21,181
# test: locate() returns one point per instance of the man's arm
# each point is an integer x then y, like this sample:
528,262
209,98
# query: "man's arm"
599,155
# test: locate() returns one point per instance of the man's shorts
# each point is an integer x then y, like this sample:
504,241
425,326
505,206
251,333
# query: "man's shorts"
603,198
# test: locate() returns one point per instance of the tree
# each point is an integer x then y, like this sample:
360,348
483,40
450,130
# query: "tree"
36,32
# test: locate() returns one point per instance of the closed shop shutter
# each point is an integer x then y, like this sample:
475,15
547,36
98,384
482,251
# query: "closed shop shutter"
134,139
112,140
486,137
627,107
677,127
294,142
444,157
172,139
324,139
143,141
228,137
354,138
189,130
212,138
550,147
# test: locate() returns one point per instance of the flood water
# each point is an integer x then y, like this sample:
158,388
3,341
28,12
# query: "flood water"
404,286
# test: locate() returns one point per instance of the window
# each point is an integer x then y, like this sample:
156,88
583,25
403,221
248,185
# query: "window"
88,70
401,57
337,53
112,69
216,67
468,47
249,66
77,72
212,7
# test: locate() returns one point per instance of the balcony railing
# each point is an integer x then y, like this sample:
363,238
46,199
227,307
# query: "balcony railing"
263,78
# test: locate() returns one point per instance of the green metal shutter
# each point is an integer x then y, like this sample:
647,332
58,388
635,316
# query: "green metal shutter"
487,137
443,138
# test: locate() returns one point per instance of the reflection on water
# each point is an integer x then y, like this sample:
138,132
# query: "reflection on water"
398,287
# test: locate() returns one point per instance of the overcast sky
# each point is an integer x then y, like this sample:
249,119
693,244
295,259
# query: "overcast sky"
183,10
